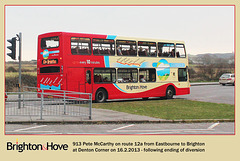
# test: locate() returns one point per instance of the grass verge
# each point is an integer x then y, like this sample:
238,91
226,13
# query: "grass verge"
172,109
15,74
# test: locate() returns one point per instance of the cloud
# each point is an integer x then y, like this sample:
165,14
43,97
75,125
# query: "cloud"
162,65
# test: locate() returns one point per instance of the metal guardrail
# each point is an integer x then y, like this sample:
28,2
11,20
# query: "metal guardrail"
46,102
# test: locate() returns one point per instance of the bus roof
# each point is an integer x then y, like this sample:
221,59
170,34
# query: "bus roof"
115,37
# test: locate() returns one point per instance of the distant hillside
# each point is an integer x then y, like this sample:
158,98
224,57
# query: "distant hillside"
211,58
23,62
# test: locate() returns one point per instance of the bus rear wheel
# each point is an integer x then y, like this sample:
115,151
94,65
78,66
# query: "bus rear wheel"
100,96
169,92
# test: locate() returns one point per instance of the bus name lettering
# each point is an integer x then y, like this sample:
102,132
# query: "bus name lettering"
89,62
132,87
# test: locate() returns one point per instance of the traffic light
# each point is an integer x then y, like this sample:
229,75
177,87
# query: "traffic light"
12,48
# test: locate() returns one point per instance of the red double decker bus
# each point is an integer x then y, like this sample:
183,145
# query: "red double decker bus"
112,67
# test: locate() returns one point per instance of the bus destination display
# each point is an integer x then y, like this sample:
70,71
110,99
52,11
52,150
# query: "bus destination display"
49,61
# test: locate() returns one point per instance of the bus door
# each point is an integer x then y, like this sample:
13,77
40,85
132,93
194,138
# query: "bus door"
88,80
75,79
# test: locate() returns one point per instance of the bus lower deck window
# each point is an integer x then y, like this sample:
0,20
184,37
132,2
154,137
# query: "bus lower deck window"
147,75
127,75
104,75
50,70
182,74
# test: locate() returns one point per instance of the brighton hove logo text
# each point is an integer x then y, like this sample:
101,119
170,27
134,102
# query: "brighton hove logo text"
32,146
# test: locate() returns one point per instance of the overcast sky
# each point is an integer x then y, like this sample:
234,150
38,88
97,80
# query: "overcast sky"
205,29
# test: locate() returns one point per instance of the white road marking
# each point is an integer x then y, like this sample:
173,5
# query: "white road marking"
213,125
130,131
178,132
172,130
210,128
122,127
30,131
30,128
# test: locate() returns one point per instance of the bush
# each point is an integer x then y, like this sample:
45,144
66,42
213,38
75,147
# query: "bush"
27,70
27,80
210,72
11,69
191,72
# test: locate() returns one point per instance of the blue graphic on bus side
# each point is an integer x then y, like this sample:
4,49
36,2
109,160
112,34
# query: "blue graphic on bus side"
46,53
50,87
111,37
106,60
171,65
163,68
119,88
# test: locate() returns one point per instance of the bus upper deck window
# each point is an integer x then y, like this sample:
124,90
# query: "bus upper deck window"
50,42
126,48
80,46
180,51
147,48
166,50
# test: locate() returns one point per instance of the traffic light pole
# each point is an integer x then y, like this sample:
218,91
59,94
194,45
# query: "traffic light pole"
12,48
20,69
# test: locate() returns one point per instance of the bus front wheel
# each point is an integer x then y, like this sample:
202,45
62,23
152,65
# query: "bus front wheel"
169,92
100,96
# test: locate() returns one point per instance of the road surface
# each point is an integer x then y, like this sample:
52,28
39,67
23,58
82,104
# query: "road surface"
163,128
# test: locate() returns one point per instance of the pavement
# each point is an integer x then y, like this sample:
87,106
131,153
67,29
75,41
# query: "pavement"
99,116
204,83
103,116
